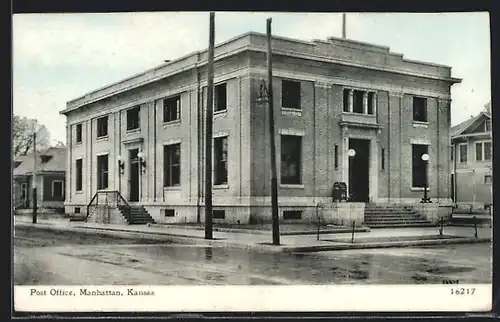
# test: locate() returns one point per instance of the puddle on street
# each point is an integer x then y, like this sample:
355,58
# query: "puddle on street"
171,264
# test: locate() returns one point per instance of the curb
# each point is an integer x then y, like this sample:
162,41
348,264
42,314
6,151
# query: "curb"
395,244
286,233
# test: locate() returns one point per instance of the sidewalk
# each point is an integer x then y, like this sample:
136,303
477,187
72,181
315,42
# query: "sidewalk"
376,238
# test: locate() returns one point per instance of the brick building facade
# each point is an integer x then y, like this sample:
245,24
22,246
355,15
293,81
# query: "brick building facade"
329,96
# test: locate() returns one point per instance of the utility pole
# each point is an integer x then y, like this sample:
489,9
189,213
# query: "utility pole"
343,26
274,181
34,179
208,138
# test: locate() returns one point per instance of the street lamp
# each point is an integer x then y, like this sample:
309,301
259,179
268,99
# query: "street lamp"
426,199
350,153
121,164
142,162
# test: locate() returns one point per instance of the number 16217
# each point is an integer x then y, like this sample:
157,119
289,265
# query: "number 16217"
462,291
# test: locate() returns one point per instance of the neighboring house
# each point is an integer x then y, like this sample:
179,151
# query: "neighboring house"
144,136
50,177
471,156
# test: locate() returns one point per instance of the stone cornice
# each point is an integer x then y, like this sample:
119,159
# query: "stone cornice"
252,42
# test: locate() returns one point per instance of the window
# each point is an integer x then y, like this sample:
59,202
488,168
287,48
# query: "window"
172,109
218,214
419,171
220,97
357,102
483,151
487,126
24,190
45,158
452,153
79,133
488,179
463,153
419,109
102,126
172,165
371,100
290,94
57,188
292,214
102,172
336,156
79,173
133,118
220,160
382,161
487,151
346,99
169,212
77,210
479,151
291,147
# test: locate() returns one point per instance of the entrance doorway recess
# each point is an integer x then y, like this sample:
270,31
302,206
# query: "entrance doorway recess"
359,178
134,175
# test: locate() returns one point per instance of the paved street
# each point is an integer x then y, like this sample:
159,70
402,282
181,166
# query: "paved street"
45,257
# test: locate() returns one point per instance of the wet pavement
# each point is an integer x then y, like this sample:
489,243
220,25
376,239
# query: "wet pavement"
45,257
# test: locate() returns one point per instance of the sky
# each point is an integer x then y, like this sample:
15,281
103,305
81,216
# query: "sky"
59,57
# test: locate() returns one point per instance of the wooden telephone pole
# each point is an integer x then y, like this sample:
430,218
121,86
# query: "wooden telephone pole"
209,129
34,179
274,180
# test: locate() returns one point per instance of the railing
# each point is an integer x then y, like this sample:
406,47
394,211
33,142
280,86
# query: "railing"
105,199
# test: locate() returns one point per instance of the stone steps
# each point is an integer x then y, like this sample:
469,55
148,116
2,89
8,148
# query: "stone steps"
136,215
386,216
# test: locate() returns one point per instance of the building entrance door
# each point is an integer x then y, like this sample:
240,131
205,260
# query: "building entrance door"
134,175
359,170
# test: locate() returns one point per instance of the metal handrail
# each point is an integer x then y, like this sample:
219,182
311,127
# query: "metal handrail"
119,200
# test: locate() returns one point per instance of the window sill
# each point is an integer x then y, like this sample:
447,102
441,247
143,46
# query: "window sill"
78,143
172,188
292,186
420,124
220,114
221,187
291,111
79,192
103,138
136,130
356,113
178,121
419,189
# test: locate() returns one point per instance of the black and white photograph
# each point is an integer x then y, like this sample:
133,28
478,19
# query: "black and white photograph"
276,161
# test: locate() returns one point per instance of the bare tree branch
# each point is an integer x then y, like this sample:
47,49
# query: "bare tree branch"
22,135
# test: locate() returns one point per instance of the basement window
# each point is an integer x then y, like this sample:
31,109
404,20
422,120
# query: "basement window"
169,212
77,210
292,214
218,214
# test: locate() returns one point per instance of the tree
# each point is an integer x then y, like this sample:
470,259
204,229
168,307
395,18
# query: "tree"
22,135
487,107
